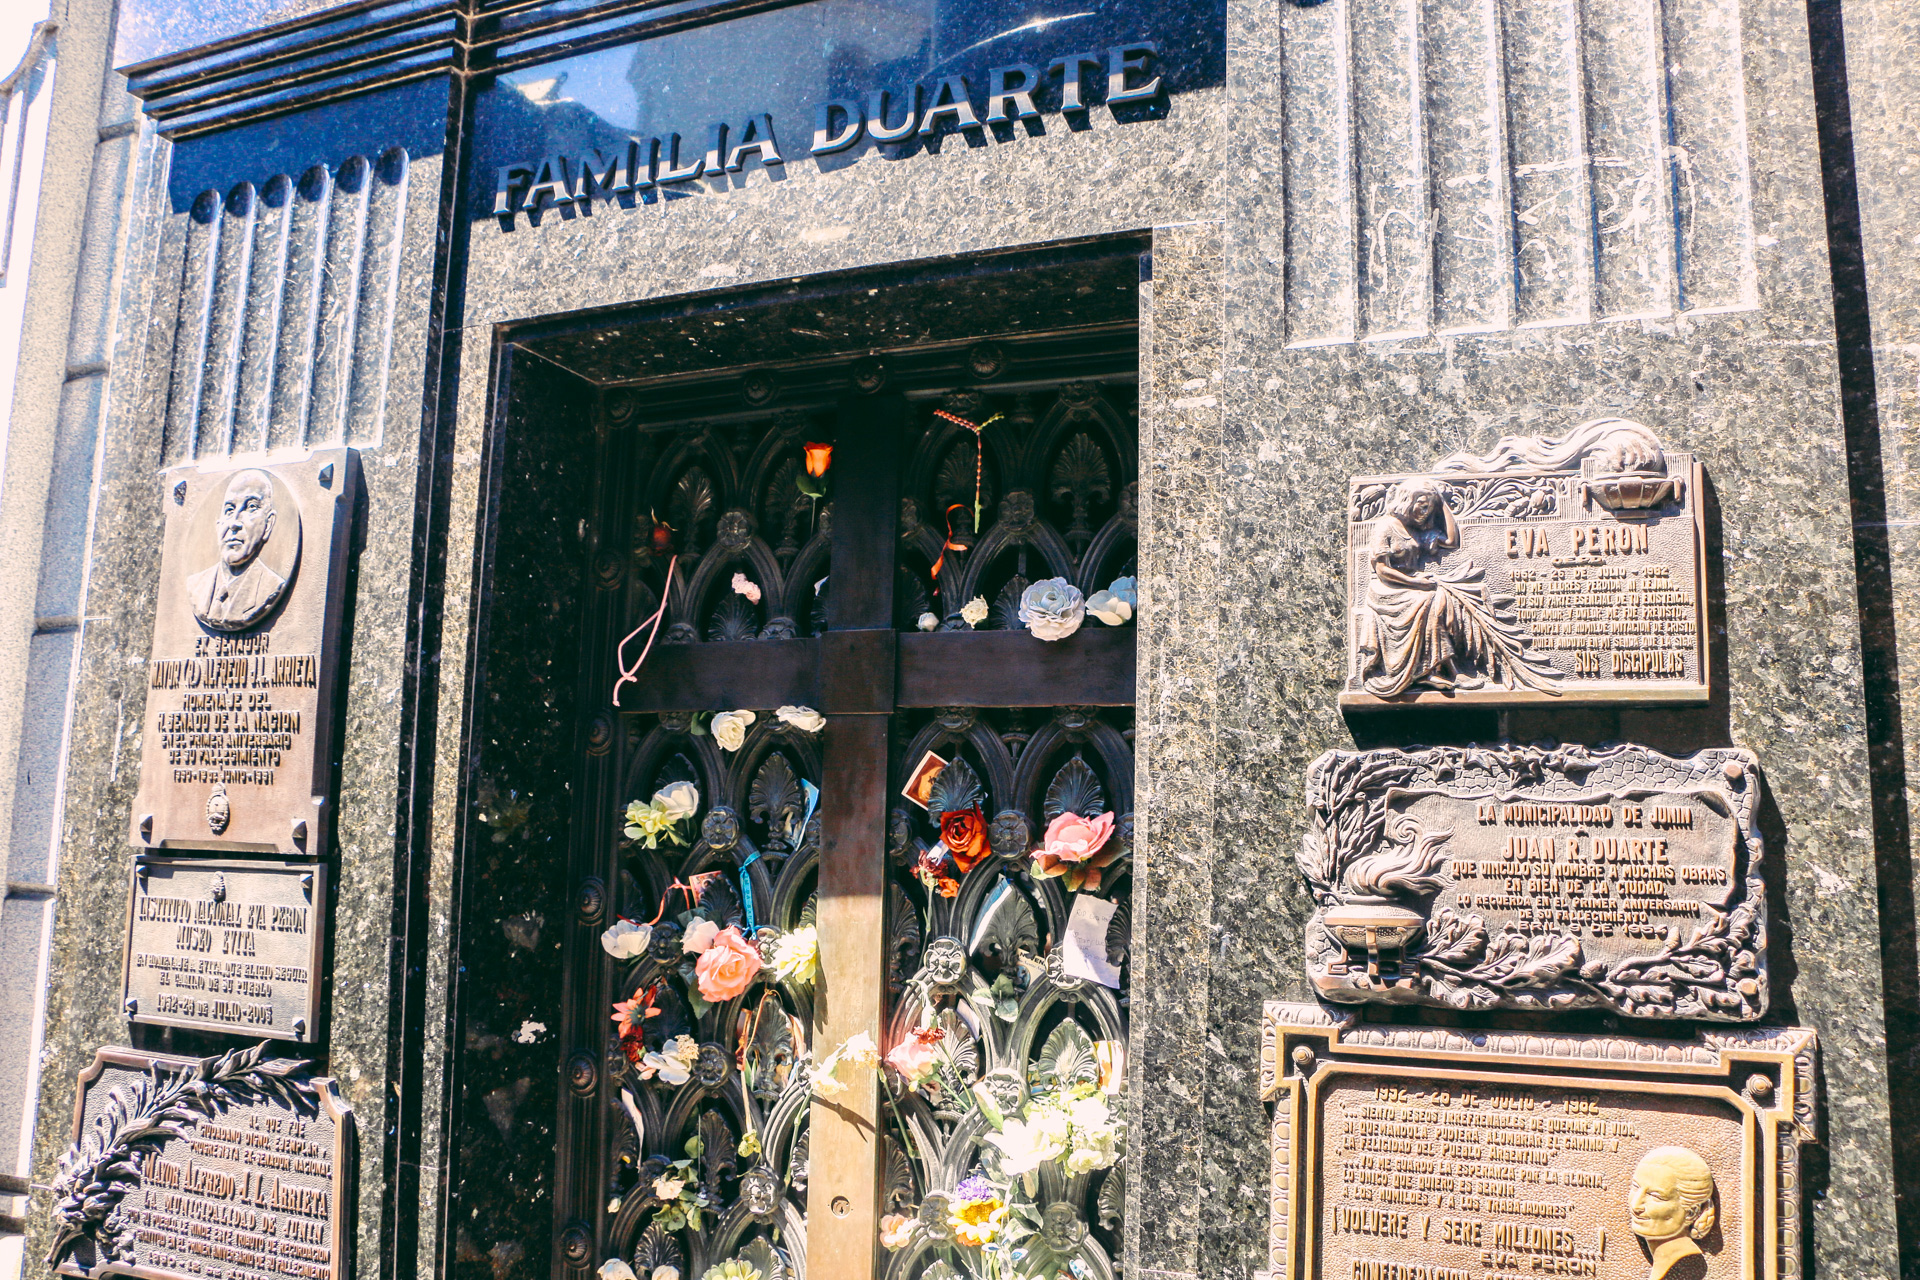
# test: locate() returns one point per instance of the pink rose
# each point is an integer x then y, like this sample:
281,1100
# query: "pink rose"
1073,848
727,968
915,1056
700,936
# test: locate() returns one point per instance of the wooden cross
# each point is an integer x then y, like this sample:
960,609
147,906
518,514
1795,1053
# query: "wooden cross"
858,673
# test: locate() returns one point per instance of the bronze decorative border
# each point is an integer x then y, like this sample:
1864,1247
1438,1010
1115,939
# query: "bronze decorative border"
1707,1066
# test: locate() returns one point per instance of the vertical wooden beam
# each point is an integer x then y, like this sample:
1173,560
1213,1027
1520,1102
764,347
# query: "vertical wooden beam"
843,1168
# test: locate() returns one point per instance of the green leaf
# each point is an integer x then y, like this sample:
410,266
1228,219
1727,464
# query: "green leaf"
812,486
989,1107
695,1147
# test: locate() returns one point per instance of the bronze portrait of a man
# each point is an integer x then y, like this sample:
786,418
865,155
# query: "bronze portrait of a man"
238,590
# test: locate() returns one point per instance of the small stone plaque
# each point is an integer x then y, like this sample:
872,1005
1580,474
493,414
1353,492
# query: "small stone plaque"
1538,877
238,1167
226,946
1563,569
1423,1153
235,751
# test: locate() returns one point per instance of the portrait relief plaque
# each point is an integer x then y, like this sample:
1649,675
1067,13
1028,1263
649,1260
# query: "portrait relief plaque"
226,946
1538,877
1559,569
235,747
1422,1153
239,1167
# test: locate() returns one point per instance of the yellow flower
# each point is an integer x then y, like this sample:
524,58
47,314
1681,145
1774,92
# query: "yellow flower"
977,1222
733,1269
796,957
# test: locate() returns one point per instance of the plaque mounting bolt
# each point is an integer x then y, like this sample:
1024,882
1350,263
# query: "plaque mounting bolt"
179,491
306,883
133,1006
1759,1087
1303,1058
1735,771
326,476
300,832
299,1026
146,827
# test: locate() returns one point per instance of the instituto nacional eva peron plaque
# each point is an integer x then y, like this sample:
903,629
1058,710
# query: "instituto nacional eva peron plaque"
239,689
1551,569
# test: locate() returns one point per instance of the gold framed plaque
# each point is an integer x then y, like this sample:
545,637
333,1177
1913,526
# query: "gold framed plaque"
235,748
1430,1153
1554,569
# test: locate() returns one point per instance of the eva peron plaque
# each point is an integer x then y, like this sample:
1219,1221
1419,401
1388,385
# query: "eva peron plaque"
1558,569
1428,1153
234,750
239,1166
226,946
1538,877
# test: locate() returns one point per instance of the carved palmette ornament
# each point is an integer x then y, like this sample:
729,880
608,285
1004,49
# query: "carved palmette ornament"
1538,877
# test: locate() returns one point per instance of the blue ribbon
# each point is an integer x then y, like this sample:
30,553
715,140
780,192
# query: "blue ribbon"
746,890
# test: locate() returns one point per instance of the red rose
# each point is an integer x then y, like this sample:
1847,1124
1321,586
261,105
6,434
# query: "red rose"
964,832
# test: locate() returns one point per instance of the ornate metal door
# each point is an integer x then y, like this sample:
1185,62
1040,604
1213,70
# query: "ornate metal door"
841,550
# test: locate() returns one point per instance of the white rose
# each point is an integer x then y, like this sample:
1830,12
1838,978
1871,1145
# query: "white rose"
668,1189
1052,608
927,622
975,611
681,800
805,719
626,939
1109,608
1086,1160
730,728
615,1269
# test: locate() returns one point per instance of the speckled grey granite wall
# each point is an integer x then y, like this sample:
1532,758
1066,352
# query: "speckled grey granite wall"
1289,340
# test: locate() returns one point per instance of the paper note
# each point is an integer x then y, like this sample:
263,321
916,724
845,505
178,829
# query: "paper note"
1083,952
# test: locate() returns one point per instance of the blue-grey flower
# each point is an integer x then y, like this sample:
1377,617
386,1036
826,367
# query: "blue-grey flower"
1052,608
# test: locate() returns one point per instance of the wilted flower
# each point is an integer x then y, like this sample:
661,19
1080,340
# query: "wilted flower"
730,728
796,957
827,1085
626,939
1052,608
896,1231
974,611
668,1188
745,586
1116,604
861,1051
805,719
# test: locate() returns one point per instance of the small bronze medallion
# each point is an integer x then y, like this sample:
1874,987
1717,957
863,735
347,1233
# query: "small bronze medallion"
1556,569
1403,1151
234,753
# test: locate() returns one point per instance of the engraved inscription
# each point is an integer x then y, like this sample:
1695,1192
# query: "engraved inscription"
1544,877
226,946
1564,568
235,748
1477,1178
237,1167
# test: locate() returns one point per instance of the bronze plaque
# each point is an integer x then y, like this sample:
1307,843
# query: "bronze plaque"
1422,1153
1538,877
238,1167
235,753
1565,569
226,946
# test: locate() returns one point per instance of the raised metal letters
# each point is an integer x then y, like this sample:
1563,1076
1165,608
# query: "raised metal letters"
1564,569
226,946
1422,1153
234,751
1542,877
182,1168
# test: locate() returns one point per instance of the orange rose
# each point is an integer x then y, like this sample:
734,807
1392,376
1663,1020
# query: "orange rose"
819,458
964,832
727,968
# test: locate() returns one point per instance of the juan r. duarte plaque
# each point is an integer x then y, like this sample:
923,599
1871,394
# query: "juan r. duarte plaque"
234,752
1538,877
238,1166
1430,1153
226,946
1551,569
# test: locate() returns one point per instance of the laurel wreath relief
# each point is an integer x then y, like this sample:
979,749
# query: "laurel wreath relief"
103,1165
